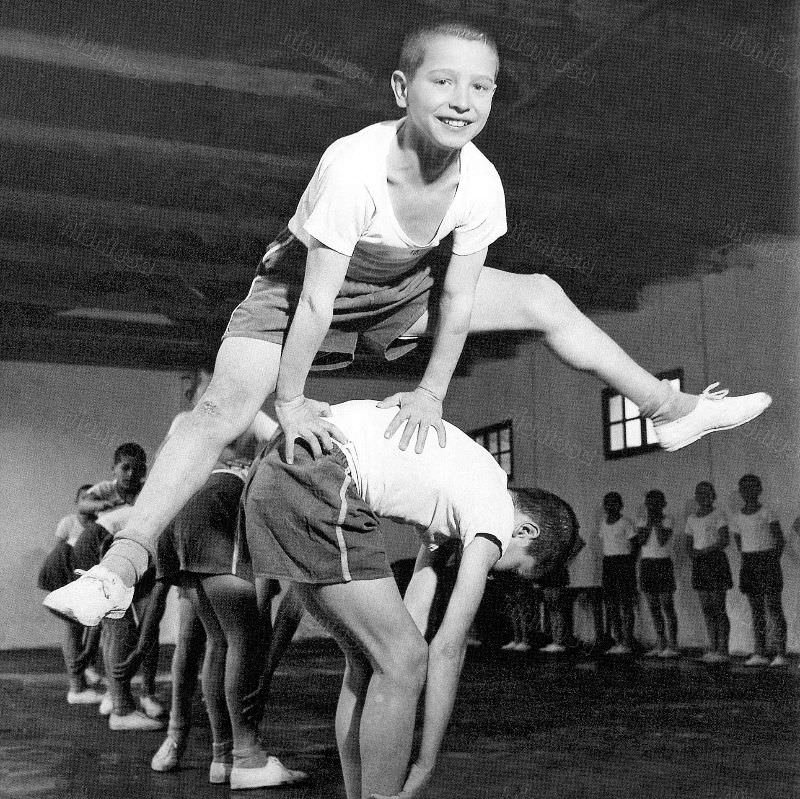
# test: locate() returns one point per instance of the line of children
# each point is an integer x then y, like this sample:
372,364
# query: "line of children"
350,270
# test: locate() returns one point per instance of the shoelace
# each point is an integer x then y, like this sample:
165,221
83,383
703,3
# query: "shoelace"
710,394
85,573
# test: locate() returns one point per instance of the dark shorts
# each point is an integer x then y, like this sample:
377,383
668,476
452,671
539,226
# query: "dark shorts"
370,316
204,532
619,576
760,573
711,571
305,522
58,568
656,576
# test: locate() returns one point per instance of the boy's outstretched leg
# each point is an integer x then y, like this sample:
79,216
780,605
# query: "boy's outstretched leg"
505,301
245,374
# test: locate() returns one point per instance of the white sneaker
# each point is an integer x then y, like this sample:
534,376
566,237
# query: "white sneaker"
522,646
95,595
151,707
88,696
553,649
653,653
133,721
715,411
274,773
778,661
167,756
619,649
509,646
106,705
669,653
756,660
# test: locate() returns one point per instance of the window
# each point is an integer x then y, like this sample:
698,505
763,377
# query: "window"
498,439
625,431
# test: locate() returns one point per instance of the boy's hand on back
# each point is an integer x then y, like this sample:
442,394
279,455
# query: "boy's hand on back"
419,410
304,418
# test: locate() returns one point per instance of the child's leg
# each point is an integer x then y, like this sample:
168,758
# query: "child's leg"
628,619
708,604
233,603
287,620
372,616
186,659
71,648
149,667
723,624
245,374
213,668
774,608
658,620
613,613
596,600
759,624
505,301
118,639
667,602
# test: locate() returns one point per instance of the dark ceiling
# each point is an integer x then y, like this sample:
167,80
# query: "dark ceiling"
149,151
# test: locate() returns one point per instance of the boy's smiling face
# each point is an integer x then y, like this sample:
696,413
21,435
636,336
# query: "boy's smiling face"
449,97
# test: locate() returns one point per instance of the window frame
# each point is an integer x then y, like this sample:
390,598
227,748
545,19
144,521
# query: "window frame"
486,431
627,451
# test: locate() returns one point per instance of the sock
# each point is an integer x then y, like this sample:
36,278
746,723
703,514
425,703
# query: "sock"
251,757
666,404
128,559
222,752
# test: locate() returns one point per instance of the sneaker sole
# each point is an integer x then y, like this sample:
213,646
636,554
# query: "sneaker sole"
682,444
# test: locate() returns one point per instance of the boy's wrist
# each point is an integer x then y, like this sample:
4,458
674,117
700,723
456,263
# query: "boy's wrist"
289,401
431,392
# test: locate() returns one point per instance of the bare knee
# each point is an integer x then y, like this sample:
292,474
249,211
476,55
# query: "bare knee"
406,664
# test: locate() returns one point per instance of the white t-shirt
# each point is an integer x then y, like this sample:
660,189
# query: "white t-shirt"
703,530
114,520
617,536
457,491
754,529
347,207
652,549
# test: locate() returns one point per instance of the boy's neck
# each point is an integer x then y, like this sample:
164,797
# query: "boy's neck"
613,516
751,506
704,510
419,158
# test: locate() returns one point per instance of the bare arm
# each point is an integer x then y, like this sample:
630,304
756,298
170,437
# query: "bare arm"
299,417
446,651
422,408
777,536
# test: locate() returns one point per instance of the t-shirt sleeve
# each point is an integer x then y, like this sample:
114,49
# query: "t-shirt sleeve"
689,529
336,207
63,528
484,220
630,529
490,514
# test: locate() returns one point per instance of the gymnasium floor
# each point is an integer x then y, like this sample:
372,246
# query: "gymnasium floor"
524,728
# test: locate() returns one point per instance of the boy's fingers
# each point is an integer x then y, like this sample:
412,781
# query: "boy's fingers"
336,433
390,402
440,431
422,435
394,425
408,432
325,409
325,440
288,449
313,442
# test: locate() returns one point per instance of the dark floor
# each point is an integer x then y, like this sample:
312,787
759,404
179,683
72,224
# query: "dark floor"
524,728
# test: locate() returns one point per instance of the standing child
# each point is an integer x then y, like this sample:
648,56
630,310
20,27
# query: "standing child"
619,573
349,270
654,534
758,535
58,570
706,538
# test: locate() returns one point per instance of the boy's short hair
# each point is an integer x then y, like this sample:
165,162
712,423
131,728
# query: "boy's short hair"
558,541
129,450
412,53
84,487
753,479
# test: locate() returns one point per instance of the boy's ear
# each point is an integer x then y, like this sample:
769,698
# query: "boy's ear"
527,531
400,88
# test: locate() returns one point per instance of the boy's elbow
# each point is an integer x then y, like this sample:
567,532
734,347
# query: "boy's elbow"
319,307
